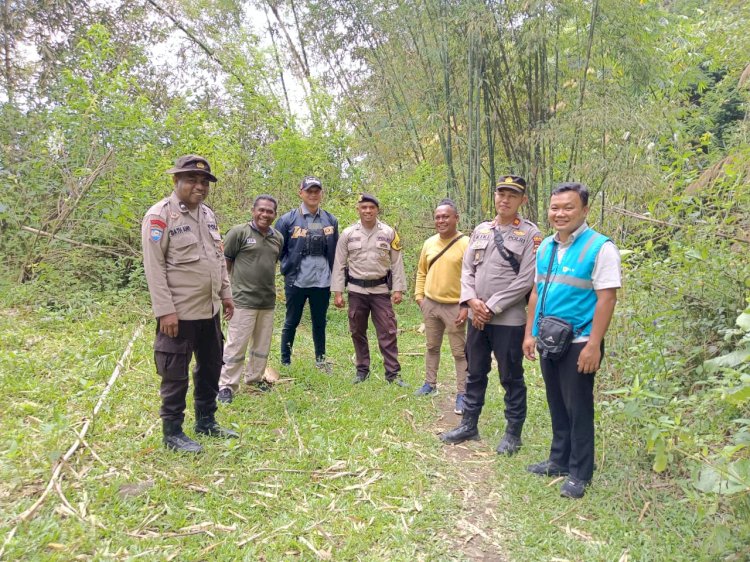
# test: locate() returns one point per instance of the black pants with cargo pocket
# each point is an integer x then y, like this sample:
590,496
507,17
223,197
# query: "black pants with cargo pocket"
505,342
202,338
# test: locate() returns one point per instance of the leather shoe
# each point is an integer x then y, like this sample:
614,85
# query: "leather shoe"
547,468
509,445
398,381
361,377
574,488
466,431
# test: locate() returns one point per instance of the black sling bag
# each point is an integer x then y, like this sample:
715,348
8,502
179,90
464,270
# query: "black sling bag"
510,258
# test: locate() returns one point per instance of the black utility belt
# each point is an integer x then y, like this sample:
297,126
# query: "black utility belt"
368,283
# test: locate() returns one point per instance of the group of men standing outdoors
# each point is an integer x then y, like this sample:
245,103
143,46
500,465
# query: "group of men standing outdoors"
500,281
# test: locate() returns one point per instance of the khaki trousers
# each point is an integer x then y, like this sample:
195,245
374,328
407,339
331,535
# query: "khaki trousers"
248,327
439,319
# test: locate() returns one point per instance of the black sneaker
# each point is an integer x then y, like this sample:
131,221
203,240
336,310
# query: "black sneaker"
323,365
509,444
175,440
260,386
361,377
225,396
182,443
208,426
574,488
547,468
398,381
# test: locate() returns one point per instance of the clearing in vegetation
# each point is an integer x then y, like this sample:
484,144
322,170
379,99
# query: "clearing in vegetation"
323,470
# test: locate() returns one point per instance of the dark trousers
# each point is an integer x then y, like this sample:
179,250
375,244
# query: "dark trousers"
506,343
295,303
361,305
570,397
172,357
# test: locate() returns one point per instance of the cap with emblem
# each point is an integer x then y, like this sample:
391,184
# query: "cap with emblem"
516,183
367,198
310,181
192,163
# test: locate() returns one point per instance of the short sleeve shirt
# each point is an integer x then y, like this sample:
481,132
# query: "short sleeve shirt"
254,256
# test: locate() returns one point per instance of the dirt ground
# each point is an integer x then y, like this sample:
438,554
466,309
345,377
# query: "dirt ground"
479,532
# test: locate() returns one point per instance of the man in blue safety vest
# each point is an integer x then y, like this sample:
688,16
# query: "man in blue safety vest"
577,277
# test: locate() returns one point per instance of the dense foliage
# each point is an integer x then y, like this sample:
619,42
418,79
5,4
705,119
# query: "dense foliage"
646,102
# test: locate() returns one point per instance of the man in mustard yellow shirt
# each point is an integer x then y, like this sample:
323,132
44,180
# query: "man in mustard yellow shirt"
437,292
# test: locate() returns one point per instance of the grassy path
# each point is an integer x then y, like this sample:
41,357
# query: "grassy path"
323,469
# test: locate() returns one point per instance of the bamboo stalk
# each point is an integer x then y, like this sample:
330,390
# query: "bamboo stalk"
670,224
74,242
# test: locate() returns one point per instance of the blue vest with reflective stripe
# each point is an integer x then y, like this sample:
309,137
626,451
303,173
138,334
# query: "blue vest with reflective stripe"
571,294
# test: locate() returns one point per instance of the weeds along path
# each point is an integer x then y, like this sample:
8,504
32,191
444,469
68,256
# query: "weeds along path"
478,533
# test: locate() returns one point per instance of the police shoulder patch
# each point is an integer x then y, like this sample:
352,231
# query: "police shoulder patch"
155,234
396,242
537,240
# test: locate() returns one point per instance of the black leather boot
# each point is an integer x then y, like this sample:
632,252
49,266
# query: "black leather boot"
466,431
205,424
176,440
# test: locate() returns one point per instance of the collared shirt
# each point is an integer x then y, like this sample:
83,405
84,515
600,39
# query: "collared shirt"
313,270
253,255
183,260
607,272
488,276
369,254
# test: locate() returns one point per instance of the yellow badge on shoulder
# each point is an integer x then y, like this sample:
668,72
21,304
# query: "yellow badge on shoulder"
396,242
537,241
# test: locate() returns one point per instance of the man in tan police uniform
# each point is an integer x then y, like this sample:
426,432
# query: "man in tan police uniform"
188,282
497,274
369,260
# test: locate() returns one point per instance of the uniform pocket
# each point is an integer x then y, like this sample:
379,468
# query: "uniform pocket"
171,356
479,247
171,366
164,343
183,248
